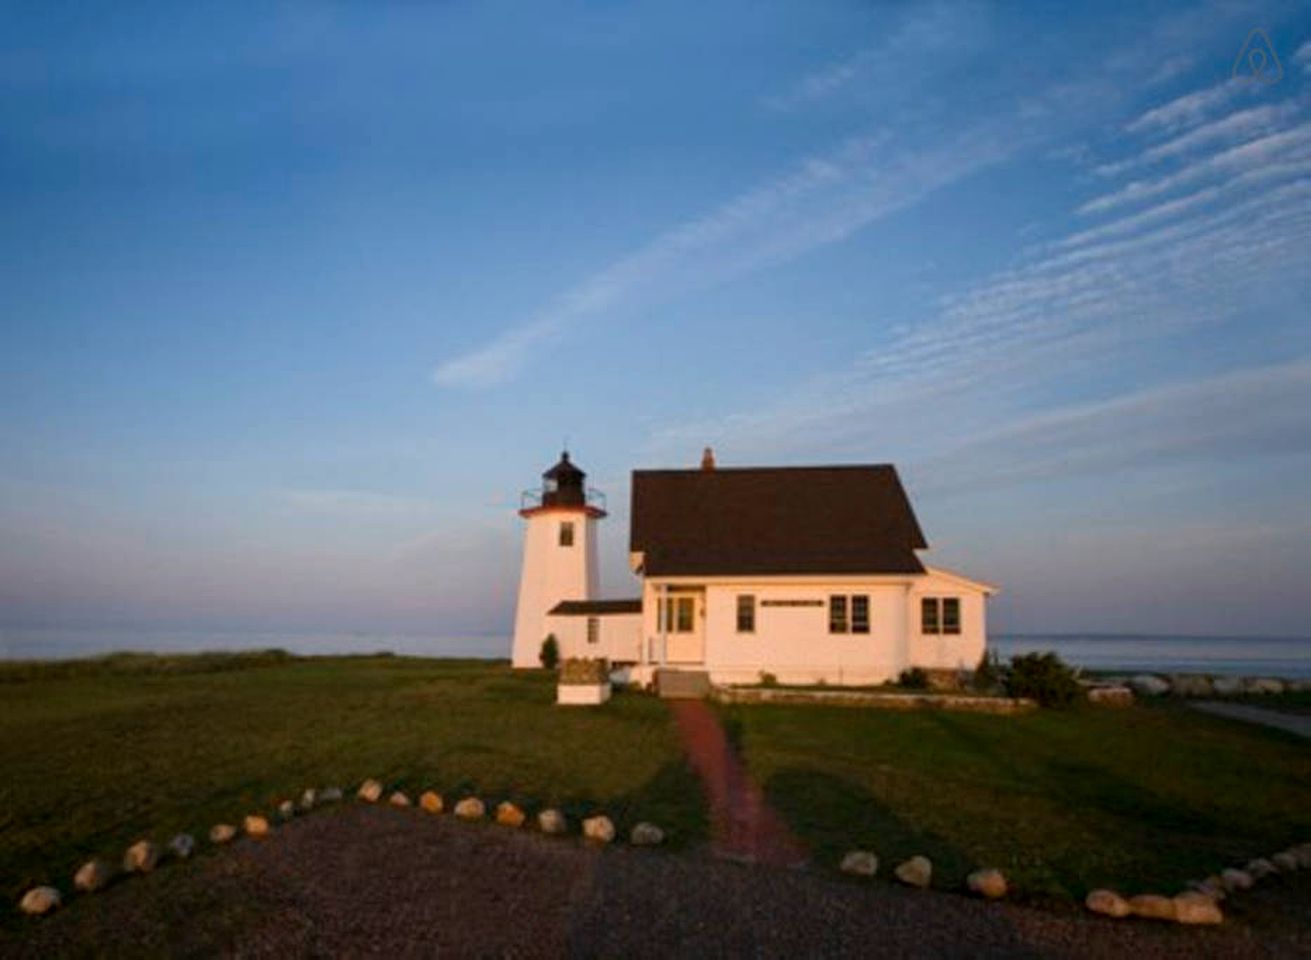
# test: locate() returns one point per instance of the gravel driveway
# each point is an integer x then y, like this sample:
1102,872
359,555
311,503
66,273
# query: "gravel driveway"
365,881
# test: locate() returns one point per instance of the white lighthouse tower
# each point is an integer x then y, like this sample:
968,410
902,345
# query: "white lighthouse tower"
559,553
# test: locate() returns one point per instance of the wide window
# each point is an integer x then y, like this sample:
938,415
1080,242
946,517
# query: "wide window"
860,613
593,630
940,615
746,613
837,614
567,533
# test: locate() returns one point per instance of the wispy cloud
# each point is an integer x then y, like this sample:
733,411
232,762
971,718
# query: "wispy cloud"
1303,57
1189,109
1241,125
825,198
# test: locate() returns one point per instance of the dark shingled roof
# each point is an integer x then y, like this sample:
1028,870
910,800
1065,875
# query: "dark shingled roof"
774,520
595,608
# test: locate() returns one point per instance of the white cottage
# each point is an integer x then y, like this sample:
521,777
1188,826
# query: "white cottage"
811,574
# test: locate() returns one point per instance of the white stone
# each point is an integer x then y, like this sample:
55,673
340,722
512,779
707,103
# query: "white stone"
1260,868
141,857
286,810
370,791
1108,903
1285,861
647,835
552,821
1111,696
222,833
988,882
1152,906
1196,908
1236,880
1227,686
431,801
255,826
40,900
599,829
182,845
860,863
1149,685
91,876
309,798
582,694
1263,685
915,872
330,795
470,808
399,799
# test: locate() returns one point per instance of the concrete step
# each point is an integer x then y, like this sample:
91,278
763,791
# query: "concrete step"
682,684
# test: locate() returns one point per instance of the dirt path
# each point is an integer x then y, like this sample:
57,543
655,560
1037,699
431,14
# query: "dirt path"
373,881
743,825
1290,722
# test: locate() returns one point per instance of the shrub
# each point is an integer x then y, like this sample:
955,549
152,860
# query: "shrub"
581,670
768,679
1043,677
988,675
913,679
550,655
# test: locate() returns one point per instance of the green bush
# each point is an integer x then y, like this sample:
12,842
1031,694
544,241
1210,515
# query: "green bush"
550,655
1043,677
988,675
913,679
768,679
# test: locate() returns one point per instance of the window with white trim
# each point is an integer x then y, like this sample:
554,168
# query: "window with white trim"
593,629
746,613
566,533
940,615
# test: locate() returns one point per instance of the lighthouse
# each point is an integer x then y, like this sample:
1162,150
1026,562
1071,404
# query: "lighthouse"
559,553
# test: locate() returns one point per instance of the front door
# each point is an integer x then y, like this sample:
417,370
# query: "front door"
683,623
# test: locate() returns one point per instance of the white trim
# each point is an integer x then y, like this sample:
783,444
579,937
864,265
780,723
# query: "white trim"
988,588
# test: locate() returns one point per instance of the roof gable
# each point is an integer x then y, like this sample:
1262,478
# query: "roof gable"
774,520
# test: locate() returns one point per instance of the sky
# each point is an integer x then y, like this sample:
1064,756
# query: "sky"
296,298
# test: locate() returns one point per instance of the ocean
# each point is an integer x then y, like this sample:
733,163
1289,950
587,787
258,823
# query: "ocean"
1251,656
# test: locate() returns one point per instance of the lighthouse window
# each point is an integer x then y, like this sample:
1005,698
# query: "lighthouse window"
593,629
567,534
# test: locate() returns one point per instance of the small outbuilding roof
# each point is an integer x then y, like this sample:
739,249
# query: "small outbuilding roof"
594,608
774,520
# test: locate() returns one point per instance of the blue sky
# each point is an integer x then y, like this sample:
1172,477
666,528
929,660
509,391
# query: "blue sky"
296,298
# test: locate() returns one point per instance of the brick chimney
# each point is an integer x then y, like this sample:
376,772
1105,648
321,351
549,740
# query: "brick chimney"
707,459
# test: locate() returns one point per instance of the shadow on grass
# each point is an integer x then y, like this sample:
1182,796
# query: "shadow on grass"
833,816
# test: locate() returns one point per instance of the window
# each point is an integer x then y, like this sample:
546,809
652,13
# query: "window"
837,614
860,613
951,615
940,615
567,533
929,615
746,613
593,630
675,615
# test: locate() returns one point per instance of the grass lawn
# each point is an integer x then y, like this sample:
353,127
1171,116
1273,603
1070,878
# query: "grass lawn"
1141,799
98,755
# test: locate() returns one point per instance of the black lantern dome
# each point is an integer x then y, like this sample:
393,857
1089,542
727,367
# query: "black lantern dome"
563,485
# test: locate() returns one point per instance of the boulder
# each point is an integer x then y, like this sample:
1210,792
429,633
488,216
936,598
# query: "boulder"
599,829
552,821
40,900
1110,696
1227,686
330,795
988,882
398,799
182,845
1191,685
1260,868
508,815
915,872
286,810
1263,685
309,798
141,857
1303,854
222,833
1196,908
1212,887
1152,906
370,791
860,863
647,835
255,826
1149,685
92,875
1236,880
470,808
1108,903
1285,861
431,801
